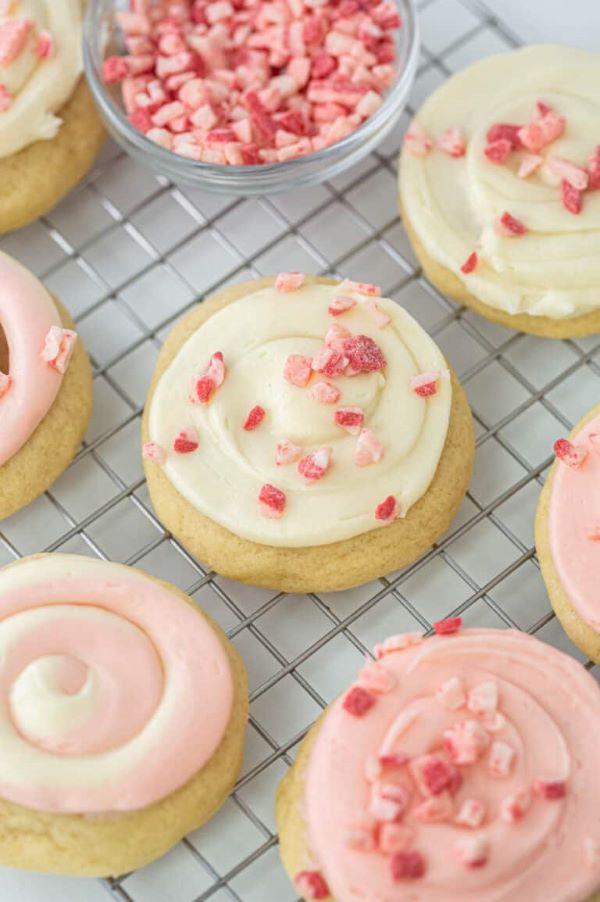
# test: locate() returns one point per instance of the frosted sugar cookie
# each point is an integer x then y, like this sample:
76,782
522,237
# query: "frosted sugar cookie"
45,388
499,182
460,767
123,716
50,131
303,434
567,533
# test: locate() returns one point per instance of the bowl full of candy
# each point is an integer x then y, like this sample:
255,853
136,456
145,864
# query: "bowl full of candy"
250,96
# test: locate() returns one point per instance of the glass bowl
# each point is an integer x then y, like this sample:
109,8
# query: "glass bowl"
268,178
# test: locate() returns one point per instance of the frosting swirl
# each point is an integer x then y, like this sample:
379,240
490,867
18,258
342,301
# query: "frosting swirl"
505,808
455,202
263,403
114,691
40,62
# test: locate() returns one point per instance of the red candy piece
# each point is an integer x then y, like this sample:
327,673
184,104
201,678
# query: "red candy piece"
311,885
550,789
593,169
272,501
498,151
448,626
186,442
407,866
387,510
203,390
340,304
572,198
325,393
315,465
570,454
297,370
465,741
364,355
470,263
431,773
425,384
358,701
114,69
503,131
329,362
509,227
254,418
350,419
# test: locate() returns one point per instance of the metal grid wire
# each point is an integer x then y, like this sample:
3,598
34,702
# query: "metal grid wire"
129,253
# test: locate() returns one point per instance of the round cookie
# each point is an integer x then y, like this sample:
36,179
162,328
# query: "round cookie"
453,768
494,221
567,530
50,130
125,712
329,535
45,388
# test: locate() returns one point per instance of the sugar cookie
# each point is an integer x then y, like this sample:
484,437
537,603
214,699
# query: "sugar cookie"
567,533
50,130
123,716
305,435
499,182
460,767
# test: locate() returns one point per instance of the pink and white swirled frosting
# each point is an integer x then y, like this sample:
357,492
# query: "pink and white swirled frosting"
459,767
114,691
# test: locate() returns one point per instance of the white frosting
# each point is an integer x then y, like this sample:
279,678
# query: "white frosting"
40,87
452,204
256,334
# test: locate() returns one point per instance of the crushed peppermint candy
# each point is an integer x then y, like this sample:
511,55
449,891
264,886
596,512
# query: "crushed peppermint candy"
528,165
447,627
289,281
425,385
407,866
254,418
350,419
570,454
314,465
380,318
550,789
245,83
272,501
340,304
367,288
363,354
470,263
358,701
397,643
514,807
572,197
452,142
154,452
286,452
417,141
483,698
501,759
186,441
388,510
472,851
368,450
297,370
376,678
14,35
395,838
59,345
206,385
451,694
311,885
509,227
470,814
325,393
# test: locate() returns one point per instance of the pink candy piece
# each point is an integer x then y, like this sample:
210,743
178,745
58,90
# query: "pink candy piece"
397,643
501,759
509,227
470,814
514,807
350,419
335,337
154,452
272,501
388,510
297,370
470,263
529,163
361,288
451,694
311,885
6,100
376,678
407,866
434,810
340,304
289,281
325,393
465,741
13,37
395,838
329,362
380,318
425,384
205,386
5,384
570,454
58,348
45,45
216,369
417,141
389,801
315,465
550,789
431,773
286,453
360,835
541,132
452,142
575,175
368,450
186,441
358,701
503,131
483,698
472,851
254,418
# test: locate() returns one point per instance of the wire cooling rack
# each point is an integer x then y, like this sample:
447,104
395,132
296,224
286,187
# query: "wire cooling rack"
129,253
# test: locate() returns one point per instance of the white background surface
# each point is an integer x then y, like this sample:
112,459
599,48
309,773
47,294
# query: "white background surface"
128,254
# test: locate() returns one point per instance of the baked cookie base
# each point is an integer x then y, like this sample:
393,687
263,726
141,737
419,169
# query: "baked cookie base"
322,568
581,633
55,442
105,845
37,177
449,284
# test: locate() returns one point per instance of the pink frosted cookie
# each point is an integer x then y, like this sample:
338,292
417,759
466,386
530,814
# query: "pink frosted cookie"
45,388
119,735
463,766
567,533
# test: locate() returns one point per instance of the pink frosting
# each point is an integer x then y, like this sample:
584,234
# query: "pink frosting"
574,514
549,711
26,315
113,691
